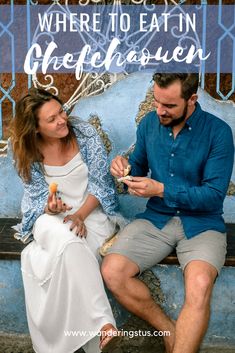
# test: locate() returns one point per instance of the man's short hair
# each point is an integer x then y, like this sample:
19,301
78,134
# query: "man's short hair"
189,82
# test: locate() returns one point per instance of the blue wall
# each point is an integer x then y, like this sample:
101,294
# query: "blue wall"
117,109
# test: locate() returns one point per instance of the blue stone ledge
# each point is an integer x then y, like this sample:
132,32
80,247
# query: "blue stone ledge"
222,322
12,305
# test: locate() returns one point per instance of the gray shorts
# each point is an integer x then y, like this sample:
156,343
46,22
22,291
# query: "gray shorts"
146,245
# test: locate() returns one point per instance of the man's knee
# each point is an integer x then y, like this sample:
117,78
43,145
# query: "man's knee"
199,286
116,269
111,271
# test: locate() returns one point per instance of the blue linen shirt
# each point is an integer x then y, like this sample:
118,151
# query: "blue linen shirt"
195,169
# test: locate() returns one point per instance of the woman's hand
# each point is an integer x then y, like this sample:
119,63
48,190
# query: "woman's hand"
77,223
78,217
55,205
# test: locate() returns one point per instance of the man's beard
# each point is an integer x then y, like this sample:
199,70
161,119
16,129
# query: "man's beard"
178,121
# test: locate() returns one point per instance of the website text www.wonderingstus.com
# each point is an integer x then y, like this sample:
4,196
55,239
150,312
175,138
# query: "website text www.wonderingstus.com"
123,333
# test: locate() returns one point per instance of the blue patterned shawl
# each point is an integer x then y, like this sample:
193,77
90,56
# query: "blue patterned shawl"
100,182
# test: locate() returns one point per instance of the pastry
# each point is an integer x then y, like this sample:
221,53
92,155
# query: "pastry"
127,177
53,188
127,170
125,173
107,245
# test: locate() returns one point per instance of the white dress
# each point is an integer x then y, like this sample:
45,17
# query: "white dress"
66,303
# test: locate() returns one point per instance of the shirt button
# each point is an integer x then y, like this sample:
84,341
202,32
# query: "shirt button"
177,211
172,154
172,174
170,134
190,128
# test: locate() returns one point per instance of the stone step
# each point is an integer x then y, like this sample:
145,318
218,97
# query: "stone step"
12,343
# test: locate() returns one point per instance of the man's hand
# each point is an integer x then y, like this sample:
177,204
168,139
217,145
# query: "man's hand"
118,165
145,187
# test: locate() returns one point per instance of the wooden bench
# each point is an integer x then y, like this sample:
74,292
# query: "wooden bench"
10,248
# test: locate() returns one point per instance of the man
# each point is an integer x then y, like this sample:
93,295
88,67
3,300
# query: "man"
189,153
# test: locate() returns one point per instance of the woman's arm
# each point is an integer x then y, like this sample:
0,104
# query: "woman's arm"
33,203
89,205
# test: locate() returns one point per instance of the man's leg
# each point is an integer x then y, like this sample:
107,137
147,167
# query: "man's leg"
193,320
140,246
119,274
201,259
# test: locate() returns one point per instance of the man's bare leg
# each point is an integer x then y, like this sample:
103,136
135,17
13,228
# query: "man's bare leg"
119,274
193,320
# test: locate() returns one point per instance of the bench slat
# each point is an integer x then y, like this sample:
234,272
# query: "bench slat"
10,248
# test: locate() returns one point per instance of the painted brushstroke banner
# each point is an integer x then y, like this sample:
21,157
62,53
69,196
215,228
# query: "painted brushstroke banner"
118,39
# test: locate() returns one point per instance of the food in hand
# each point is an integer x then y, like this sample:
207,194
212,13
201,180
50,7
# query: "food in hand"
53,188
127,170
127,177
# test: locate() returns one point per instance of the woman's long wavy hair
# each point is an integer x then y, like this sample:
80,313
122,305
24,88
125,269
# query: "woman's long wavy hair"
24,136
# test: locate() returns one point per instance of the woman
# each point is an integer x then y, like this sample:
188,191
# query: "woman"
66,304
